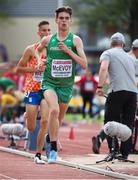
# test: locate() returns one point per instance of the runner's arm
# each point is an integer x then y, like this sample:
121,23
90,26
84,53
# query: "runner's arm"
43,45
102,77
22,64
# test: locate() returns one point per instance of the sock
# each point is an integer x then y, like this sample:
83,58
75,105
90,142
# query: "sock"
38,155
54,145
48,138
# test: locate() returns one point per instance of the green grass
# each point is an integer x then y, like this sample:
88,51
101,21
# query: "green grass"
77,117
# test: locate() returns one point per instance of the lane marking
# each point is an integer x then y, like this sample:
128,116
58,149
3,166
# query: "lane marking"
7,177
71,164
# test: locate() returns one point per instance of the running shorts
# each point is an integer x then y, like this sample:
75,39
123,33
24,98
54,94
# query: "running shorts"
33,98
64,94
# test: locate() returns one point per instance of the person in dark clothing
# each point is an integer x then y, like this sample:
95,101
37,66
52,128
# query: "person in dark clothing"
88,87
120,104
97,140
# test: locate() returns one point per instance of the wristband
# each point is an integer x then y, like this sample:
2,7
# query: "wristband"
100,87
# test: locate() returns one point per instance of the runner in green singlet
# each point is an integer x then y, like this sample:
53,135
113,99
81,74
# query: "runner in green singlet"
64,51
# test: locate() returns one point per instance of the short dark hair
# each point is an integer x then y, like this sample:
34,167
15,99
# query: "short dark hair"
66,9
116,43
43,23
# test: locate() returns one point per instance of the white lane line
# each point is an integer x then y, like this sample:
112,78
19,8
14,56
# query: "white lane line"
11,178
71,164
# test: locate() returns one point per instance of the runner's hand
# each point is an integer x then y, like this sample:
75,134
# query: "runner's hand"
40,67
63,47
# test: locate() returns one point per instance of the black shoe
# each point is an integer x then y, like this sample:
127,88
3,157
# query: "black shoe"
96,144
114,155
110,157
123,157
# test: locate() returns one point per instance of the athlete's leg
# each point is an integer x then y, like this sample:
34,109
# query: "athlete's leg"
31,115
63,109
90,100
44,112
52,100
84,107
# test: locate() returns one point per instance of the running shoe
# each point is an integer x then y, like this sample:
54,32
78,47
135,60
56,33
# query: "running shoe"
96,144
47,146
52,157
38,160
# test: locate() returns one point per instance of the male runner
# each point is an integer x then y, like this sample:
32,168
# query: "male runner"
64,51
29,65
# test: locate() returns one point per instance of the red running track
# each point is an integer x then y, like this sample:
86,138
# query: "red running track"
18,167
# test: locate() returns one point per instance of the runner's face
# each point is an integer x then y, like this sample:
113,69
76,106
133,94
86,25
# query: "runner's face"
63,20
44,30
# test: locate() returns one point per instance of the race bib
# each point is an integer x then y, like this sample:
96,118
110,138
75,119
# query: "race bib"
37,76
88,86
61,68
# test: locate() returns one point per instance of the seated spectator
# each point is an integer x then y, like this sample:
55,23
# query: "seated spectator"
7,103
6,82
17,78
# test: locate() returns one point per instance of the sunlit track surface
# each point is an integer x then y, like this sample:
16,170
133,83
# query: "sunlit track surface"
21,167
74,164
77,160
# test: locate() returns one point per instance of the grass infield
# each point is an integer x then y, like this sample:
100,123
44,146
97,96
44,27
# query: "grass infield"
77,117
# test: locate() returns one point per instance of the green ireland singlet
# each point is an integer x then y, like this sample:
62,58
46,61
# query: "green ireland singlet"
60,68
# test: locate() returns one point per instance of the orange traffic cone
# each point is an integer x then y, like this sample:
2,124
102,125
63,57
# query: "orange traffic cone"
71,134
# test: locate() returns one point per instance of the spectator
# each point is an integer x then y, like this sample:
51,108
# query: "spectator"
17,78
6,82
7,103
87,85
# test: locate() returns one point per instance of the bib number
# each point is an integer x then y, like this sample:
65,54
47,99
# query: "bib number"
61,68
37,76
88,86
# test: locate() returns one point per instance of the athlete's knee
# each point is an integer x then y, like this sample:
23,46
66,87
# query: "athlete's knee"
30,127
54,112
43,124
30,123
